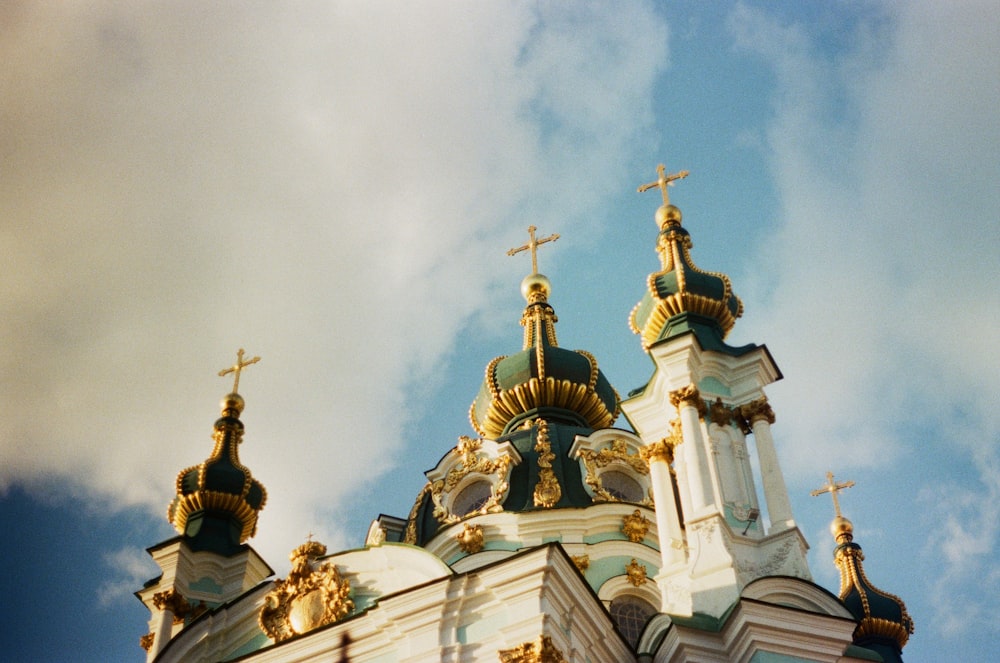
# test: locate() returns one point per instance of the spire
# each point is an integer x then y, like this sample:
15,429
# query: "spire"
681,297
884,625
217,502
543,376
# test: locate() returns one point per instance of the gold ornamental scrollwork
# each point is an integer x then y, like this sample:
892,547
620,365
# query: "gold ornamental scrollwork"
617,453
547,490
146,641
661,450
688,395
178,606
312,595
635,526
636,573
471,539
582,562
473,462
541,650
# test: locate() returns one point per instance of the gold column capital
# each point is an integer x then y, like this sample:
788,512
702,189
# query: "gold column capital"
660,450
688,395
758,410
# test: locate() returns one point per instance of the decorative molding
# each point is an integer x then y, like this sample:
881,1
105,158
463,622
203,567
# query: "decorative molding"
635,526
547,490
311,596
177,605
661,450
582,562
473,461
688,396
538,651
617,454
636,573
720,414
146,641
411,523
471,539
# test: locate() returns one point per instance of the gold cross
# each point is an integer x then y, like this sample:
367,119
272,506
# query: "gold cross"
237,368
833,488
664,181
532,246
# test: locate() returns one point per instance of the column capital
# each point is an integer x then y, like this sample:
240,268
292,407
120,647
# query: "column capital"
688,395
758,410
660,450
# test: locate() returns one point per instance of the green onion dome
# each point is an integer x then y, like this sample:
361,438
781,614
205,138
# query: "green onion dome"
682,297
542,379
218,501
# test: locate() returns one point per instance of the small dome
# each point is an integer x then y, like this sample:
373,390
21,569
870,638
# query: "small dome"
681,289
220,488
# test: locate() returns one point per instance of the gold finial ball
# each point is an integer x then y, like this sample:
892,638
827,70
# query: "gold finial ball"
840,527
232,402
535,285
668,215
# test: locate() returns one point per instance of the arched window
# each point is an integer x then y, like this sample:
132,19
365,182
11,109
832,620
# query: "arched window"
621,486
631,614
472,498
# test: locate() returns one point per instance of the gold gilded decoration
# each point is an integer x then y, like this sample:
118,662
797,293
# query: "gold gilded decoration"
636,573
661,450
237,368
758,410
178,606
547,490
833,488
664,181
471,539
852,576
473,462
582,562
538,651
688,396
532,246
635,526
679,302
411,523
312,595
146,641
719,414
617,453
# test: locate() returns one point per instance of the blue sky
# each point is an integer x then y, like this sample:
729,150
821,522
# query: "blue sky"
334,186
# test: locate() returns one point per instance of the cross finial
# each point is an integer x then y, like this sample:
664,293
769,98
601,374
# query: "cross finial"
664,181
833,488
532,246
237,368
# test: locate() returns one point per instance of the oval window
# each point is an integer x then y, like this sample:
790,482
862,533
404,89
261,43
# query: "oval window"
631,614
472,498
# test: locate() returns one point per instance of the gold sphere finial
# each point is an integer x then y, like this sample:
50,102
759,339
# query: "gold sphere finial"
536,287
842,528
668,215
233,402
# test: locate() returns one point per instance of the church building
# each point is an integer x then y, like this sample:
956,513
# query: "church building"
548,534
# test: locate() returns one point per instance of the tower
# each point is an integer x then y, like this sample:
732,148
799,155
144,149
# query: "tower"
214,512
695,414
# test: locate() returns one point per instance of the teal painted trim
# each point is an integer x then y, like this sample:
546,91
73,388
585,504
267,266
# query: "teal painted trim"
650,542
207,585
256,643
604,569
738,525
712,385
509,546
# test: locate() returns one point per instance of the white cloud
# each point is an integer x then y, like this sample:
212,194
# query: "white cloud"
883,272
326,187
130,568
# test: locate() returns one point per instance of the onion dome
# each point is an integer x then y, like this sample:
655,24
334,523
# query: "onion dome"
883,623
218,501
542,379
681,297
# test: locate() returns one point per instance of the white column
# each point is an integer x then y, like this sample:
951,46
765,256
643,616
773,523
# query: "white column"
779,508
668,523
687,401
